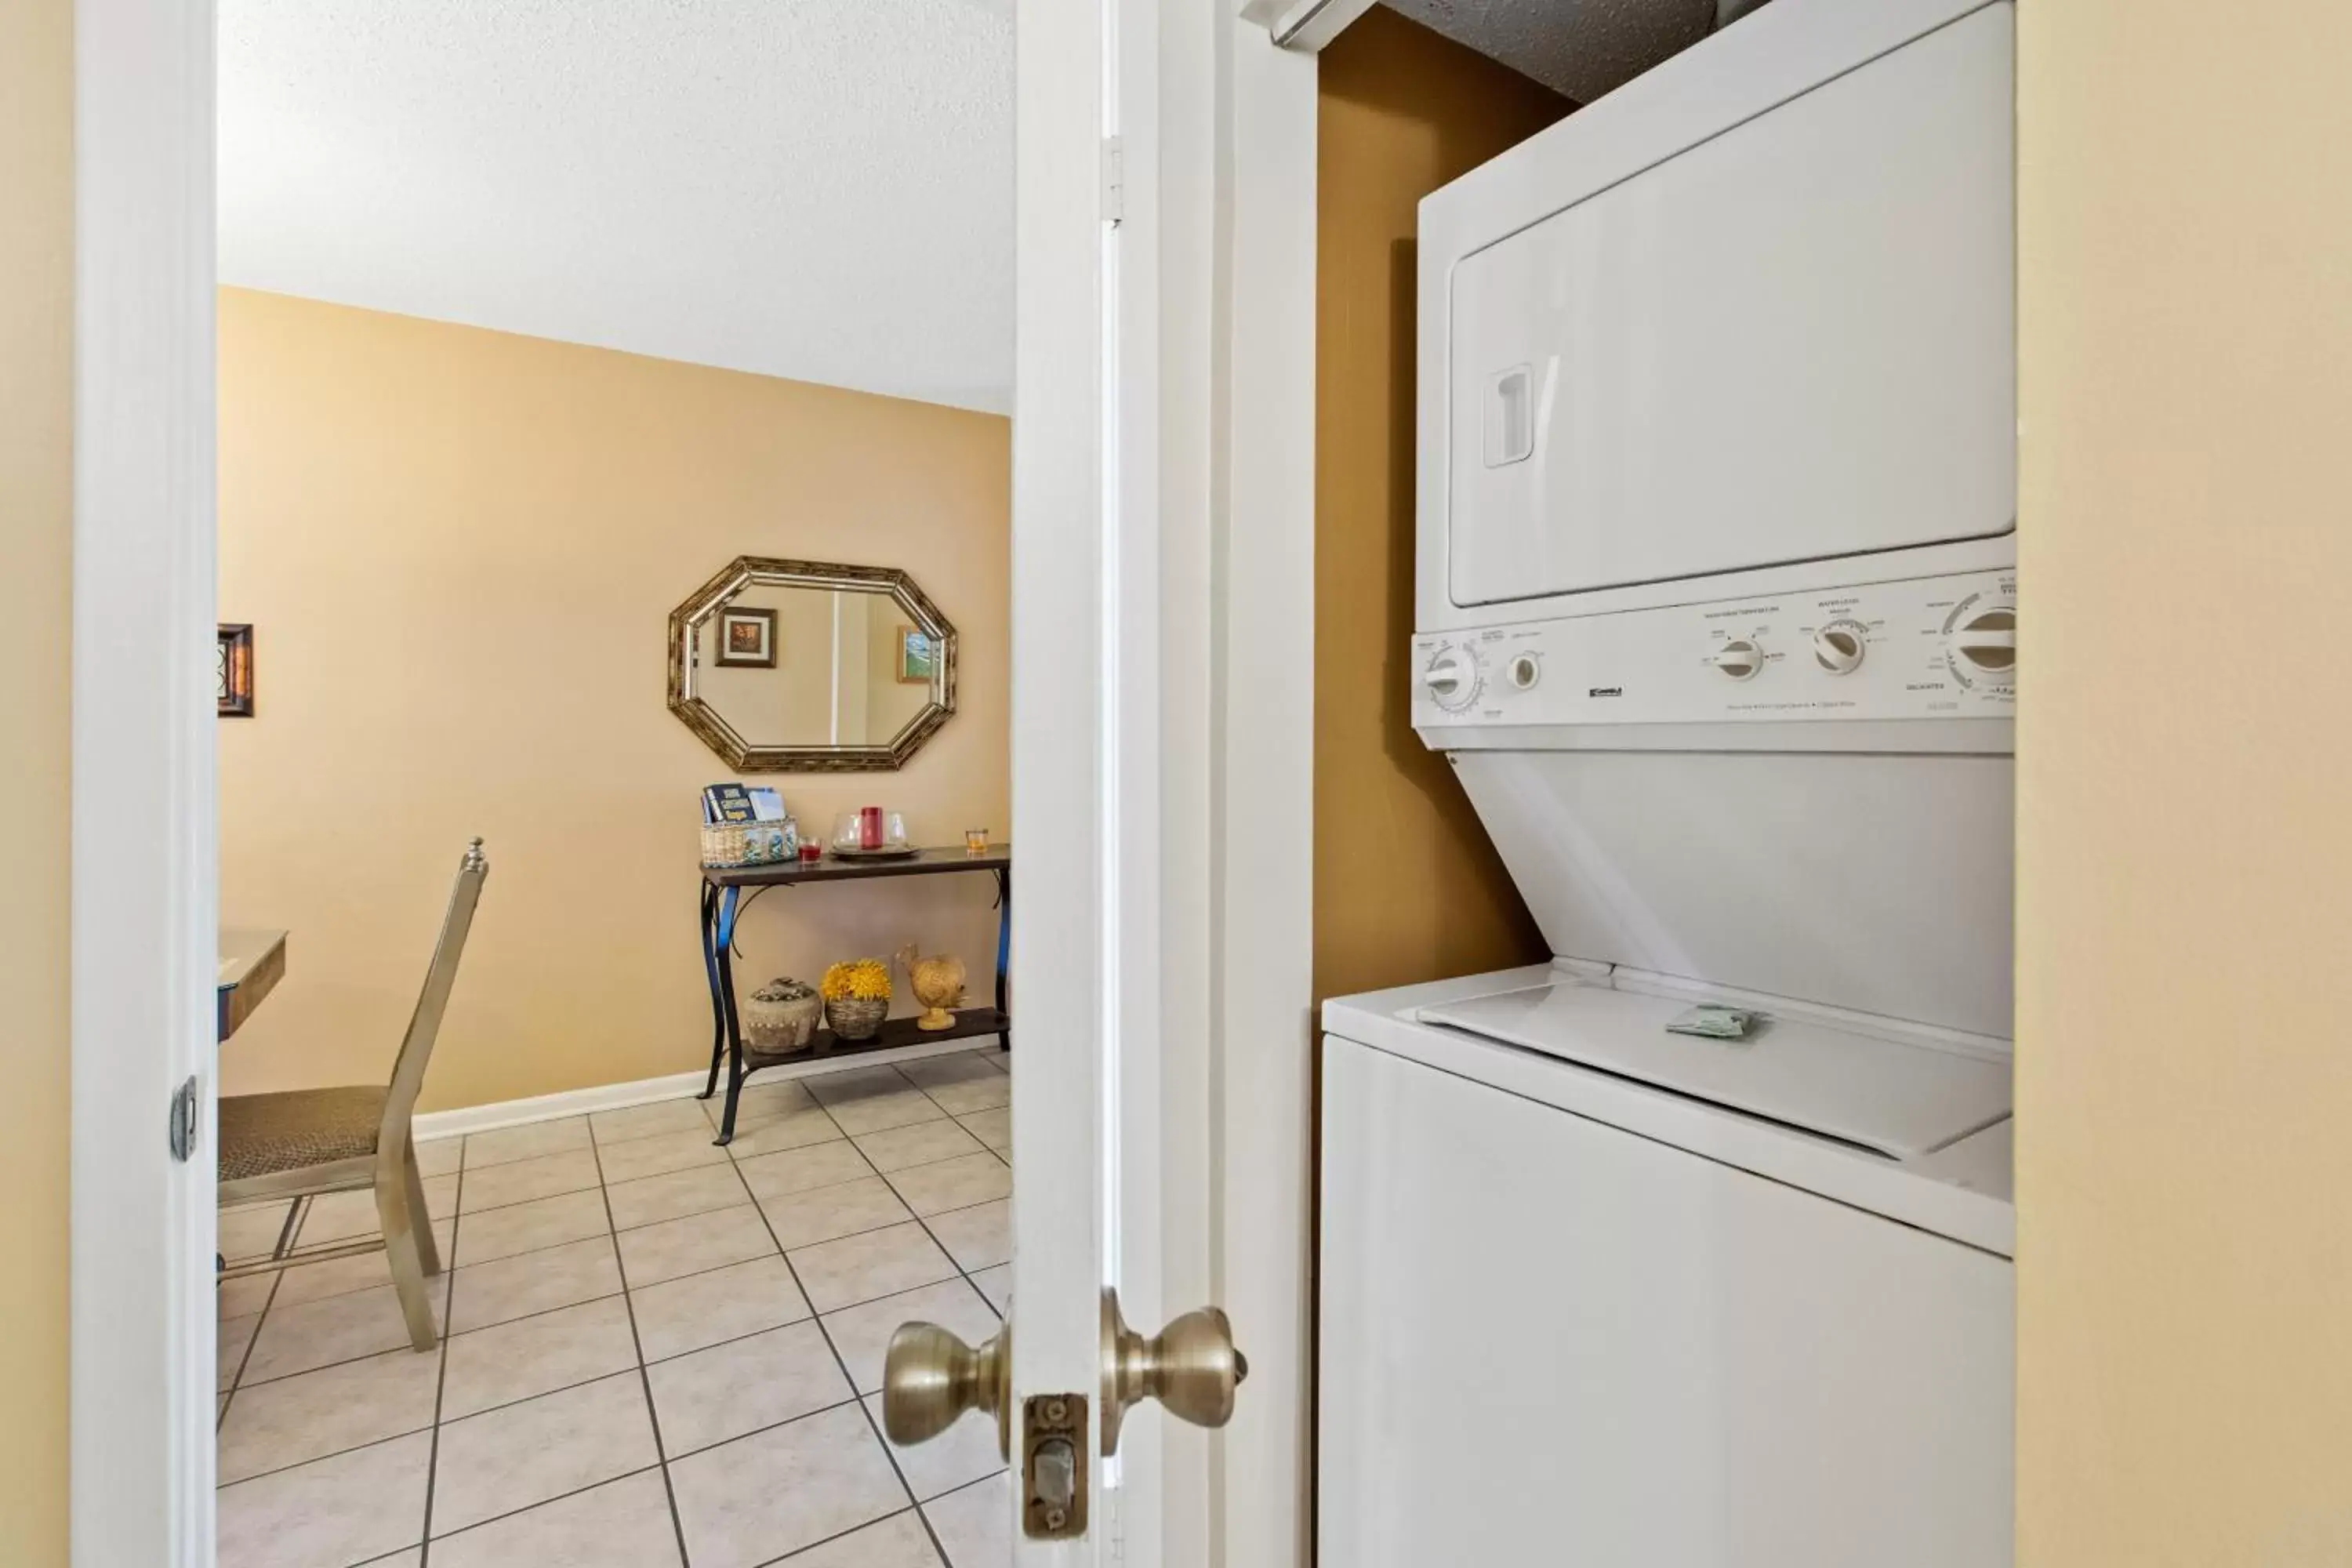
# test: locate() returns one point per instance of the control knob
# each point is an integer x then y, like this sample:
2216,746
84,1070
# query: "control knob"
1453,679
1740,659
1984,645
1839,648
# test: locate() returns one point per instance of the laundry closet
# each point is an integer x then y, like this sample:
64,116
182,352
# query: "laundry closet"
1666,1207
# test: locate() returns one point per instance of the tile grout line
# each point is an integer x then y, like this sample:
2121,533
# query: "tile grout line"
924,1220
953,1491
973,1286
546,1311
519,1399
916,1508
920,1512
640,1470
236,1379
839,1361
644,1375
543,1502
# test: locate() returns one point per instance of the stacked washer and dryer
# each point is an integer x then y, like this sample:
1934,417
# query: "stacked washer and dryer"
1716,611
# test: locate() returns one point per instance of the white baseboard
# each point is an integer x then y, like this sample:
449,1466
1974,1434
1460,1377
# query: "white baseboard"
468,1119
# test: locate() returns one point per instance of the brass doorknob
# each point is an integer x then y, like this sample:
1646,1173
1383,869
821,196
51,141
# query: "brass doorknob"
1190,1367
930,1378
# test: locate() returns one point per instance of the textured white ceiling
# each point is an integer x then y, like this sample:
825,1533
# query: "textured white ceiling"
818,189
1581,48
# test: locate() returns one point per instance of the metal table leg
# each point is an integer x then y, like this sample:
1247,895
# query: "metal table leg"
724,947
1003,952
710,973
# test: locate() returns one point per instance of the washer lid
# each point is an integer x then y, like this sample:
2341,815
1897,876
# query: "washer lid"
1891,1096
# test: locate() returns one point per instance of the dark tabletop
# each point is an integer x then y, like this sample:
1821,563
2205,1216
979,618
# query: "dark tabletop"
953,858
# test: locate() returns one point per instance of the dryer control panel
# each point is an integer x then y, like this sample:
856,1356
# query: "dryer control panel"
1930,647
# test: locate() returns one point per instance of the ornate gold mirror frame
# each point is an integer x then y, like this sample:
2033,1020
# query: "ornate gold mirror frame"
748,756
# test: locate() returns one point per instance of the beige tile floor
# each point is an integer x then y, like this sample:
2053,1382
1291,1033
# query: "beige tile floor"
659,1353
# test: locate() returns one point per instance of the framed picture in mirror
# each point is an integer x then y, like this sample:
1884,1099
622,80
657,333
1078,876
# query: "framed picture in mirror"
919,657
747,639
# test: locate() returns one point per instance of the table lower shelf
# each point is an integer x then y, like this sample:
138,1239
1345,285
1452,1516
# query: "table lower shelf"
892,1034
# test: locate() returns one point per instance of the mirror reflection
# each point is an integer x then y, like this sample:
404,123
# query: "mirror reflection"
789,666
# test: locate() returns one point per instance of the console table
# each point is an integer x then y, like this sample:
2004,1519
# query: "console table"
723,897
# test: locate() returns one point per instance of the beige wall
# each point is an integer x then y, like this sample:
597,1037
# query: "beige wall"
458,549
2185,876
1407,887
36,624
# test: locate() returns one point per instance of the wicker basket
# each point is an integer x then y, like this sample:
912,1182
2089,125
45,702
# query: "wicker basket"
747,844
781,1017
856,1017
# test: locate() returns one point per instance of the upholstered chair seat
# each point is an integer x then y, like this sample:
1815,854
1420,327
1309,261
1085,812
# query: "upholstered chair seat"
262,1134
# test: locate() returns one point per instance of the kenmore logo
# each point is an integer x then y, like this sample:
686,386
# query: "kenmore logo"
1605,692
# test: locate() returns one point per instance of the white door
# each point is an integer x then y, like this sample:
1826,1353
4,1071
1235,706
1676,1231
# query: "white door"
1088,830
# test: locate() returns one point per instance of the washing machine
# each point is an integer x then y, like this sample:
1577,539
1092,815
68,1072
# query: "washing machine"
1716,621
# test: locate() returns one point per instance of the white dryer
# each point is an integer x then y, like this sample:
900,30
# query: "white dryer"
1716,619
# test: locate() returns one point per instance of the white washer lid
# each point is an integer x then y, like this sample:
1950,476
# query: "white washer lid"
1899,1099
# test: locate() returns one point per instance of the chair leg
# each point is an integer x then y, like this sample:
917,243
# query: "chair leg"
400,1228
428,1251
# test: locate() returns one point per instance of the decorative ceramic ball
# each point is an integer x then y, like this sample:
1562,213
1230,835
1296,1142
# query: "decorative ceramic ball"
782,1017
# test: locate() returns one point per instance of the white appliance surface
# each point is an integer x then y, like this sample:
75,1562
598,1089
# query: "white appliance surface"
1716,619
1923,662
1669,378
1755,308
1874,882
1545,1340
1900,1098
1959,1189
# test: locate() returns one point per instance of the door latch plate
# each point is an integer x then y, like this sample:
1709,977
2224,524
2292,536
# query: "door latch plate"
1054,1467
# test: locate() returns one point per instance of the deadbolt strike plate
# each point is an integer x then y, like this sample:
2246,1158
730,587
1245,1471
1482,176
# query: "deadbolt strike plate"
1054,1467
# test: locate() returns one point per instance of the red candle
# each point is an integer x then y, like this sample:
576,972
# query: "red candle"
869,827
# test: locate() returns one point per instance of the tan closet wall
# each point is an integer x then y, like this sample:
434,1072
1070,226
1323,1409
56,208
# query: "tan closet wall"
1407,887
2184,1090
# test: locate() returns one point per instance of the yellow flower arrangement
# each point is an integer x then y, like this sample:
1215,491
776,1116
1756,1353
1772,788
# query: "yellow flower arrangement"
865,979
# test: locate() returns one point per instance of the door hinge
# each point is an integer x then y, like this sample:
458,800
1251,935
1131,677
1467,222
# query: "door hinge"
1114,181
185,1108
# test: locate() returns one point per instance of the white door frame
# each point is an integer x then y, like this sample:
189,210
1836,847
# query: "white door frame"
1215,499
144,921
1216,503
1261,959
1063,968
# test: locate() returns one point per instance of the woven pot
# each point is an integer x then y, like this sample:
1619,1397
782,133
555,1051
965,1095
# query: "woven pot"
781,1017
856,1017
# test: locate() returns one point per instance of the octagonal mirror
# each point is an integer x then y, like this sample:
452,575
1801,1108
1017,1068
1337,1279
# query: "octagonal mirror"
802,667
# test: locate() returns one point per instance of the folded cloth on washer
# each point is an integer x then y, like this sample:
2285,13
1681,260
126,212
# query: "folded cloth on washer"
1713,1022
